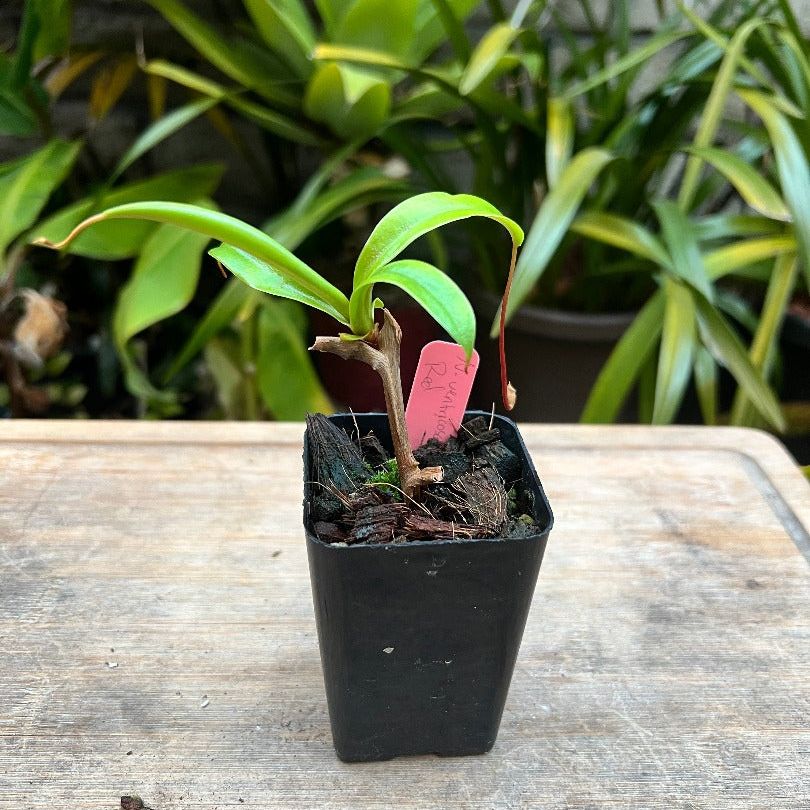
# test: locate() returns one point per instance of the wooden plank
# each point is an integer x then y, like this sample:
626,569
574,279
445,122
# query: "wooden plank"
156,621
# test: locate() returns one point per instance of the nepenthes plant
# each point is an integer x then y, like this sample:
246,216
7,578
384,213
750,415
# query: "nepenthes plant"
265,265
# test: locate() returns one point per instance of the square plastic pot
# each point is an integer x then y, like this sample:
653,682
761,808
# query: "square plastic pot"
418,640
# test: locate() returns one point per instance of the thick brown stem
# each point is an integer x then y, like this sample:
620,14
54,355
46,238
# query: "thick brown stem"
384,359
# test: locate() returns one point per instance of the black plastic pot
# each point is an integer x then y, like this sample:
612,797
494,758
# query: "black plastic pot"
418,640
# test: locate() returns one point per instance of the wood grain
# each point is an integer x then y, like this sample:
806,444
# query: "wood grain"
158,635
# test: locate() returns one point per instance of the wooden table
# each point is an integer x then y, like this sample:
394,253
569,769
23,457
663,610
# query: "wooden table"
158,634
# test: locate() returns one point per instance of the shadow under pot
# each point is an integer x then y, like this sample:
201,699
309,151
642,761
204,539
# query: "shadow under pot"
419,639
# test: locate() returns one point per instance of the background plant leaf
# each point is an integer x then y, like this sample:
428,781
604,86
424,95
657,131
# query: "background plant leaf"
677,351
27,184
625,363
728,350
286,378
551,224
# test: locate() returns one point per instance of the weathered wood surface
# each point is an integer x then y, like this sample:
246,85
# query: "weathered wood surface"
158,635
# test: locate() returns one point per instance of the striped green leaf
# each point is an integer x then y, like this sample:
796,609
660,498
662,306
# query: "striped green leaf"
721,340
757,192
687,261
552,222
706,384
791,165
159,131
624,365
677,350
623,233
763,346
737,255
286,28
713,109
491,48
239,64
559,138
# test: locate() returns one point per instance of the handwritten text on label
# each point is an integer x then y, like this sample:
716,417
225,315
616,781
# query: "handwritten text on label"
440,391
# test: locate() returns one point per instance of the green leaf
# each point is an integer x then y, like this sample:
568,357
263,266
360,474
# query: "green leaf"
269,119
623,233
263,277
713,110
417,216
436,293
352,102
726,226
751,185
224,361
331,12
53,36
638,57
218,317
159,131
622,368
729,258
559,138
26,185
23,58
706,384
238,63
123,240
286,377
552,222
162,283
285,26
764,344
375,59
489,51
792,167
16,117
727,349
278,261
713,35
677,351
486,99
383,25
453,28
311,210
687,261
407,222
427,102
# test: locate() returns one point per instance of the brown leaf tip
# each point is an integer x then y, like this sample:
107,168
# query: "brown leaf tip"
511,397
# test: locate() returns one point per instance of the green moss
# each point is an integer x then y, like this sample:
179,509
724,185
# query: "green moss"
387,473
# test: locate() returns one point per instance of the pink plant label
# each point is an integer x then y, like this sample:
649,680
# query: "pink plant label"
440,391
